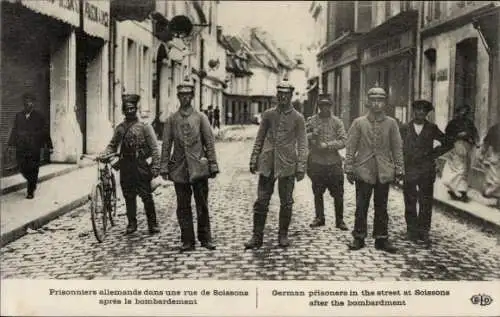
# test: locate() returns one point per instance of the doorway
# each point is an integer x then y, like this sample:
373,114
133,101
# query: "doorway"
162,89
465,74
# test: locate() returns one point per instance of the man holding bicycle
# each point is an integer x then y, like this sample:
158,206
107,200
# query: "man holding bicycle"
137,143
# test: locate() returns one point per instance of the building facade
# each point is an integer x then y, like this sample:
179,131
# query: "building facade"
59,52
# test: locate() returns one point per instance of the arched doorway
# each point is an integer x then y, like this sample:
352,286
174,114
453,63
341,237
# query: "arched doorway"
161,89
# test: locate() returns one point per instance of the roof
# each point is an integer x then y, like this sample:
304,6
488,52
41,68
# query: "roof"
268,42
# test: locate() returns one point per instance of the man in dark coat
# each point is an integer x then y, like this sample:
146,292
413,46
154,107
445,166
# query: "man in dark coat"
217,117
29,134
420,169
326,137
279,153
137,142
189,165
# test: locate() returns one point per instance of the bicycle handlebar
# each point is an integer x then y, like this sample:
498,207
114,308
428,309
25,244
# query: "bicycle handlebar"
99,158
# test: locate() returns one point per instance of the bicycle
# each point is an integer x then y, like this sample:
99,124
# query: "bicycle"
103,197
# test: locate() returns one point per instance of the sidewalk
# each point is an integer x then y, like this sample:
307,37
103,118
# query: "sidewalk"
54,197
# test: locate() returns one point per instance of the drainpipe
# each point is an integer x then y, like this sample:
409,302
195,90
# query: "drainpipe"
421,45
111,65
201,70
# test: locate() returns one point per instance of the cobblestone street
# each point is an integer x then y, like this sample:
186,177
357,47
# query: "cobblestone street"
67,249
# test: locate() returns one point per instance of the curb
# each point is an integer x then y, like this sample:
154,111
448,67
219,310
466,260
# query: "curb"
23,185
463,214
19,232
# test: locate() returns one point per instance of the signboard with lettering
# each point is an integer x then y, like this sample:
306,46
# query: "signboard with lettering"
388,46
442,75
64,10
96,18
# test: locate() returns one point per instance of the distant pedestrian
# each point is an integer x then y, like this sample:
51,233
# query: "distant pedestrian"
29,135
279,153
191,163
490,157
210,115
374,159
420,169
136,142
324,166
217,117
461,136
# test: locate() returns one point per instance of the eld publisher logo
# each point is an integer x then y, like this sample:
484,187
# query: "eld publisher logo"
481,299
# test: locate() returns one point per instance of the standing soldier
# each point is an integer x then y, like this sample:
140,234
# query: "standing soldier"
374,159
325,163
137,143
190,165
419,159
279,153
29,134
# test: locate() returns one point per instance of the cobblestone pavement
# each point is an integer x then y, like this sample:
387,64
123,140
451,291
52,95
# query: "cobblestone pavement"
66,247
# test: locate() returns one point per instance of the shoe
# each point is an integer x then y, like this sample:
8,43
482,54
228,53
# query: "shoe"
464,198
412,236
341,225
253,243
317,223
453,195
283,240
357,244
424,238
208,245
385,245
154,230
131,229
30,196
187,247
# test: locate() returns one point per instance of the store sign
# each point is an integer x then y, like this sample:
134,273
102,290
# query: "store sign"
388,46
96,13
442,75
64,10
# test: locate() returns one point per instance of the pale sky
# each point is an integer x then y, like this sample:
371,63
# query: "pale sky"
288,22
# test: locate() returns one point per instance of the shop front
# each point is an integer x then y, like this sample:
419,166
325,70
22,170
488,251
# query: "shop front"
388,61
37,52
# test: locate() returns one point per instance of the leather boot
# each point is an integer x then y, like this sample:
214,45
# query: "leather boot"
259,222
385,245
185,219
319,209
284,223
149,208
339,213
357,244
131,205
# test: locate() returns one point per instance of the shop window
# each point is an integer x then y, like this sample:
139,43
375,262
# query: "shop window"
364,16
465,73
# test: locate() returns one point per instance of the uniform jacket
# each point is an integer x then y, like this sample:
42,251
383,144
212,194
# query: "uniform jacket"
280,148
30,134
140,141
190,135
331,131
418,150
374,149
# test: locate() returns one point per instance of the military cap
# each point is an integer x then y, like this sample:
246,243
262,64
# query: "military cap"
422,104
324,99
29,96
285,86
376,92
186,86
131,98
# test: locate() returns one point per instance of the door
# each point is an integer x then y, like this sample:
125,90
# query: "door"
465,74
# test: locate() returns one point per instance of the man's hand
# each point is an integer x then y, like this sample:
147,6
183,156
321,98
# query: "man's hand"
253,168
213,174
165,176
351,178
300,176
323,145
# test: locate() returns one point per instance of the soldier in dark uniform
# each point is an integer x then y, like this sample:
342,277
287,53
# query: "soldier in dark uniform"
137,143
29,134
279,153
326,137
189,165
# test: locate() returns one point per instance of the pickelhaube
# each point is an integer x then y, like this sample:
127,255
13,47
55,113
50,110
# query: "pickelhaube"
130,98
376,92
285,86
186,86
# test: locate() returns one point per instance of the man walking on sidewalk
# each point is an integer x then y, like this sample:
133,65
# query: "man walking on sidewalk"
374,159
29,134
191,164
324,166
279,153
137,142
419,160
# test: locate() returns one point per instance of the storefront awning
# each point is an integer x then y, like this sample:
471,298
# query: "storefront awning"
400,23
138,10
488,24
65,11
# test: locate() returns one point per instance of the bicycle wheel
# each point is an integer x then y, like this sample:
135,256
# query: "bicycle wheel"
98,213
113,202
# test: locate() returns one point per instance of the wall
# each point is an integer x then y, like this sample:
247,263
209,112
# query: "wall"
298,79
445,45
263,82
